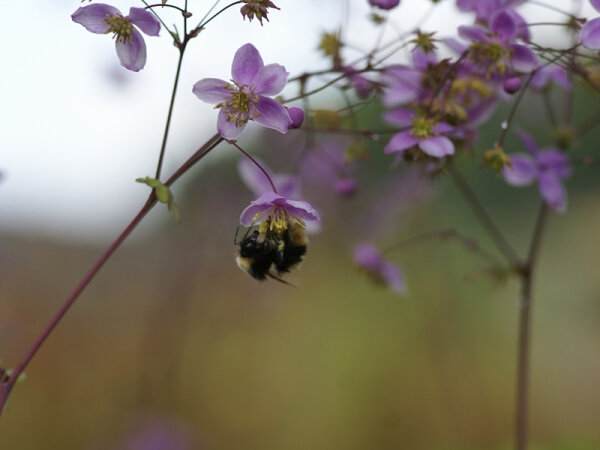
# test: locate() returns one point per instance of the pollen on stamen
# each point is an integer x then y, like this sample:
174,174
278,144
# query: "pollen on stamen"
120,27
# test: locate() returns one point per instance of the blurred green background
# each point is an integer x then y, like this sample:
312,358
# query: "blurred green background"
172,336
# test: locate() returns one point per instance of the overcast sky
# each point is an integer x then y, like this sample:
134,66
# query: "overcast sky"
77,129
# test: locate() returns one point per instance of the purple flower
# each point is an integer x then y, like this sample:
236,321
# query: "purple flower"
278,212
590,33
384,4
361,85
332,162
258,8
297,117
548,74
494,50
425,133
485,9
371,261
512,85
103,19
287,185
548,166
246,99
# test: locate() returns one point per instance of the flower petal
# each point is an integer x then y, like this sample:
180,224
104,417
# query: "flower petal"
145,21
393,278
400,142
402,85
438,146
596,4
503,25
248,216
287,185
522,170
92,17
528,142
400,117
246,64
301,209
554,161
270,79
553,191
523,58
212,90
253,177
273,115
590,34
132,54
473,33
226,128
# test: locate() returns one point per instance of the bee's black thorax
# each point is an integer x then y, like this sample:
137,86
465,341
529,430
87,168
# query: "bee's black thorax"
258,252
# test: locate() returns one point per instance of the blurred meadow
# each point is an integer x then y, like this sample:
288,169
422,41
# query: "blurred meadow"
173,334
173,347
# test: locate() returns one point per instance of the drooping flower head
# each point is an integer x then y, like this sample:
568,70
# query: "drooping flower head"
257,8
100,18
246,99
370,260
547,166
275,213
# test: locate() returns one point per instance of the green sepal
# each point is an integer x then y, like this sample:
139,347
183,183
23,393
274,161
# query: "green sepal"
152,182
163,195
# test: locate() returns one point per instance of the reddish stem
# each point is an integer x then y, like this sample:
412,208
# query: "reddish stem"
6,388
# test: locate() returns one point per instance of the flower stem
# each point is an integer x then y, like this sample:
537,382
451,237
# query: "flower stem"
497,237
524,340
6,387
170,113
256,163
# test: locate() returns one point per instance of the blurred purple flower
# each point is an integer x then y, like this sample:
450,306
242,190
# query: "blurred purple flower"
547,166
297,117
550,74
590,32
246,99
100,18
287,185
424,133
494,50
370,260
512,85
384,4
328,162
485,9
362,86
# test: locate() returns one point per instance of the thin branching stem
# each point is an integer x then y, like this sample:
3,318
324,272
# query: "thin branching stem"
6,387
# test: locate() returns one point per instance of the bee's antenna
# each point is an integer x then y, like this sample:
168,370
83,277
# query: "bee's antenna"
235,241
281,280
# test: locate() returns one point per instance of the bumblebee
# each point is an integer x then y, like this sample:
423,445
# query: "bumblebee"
262,248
